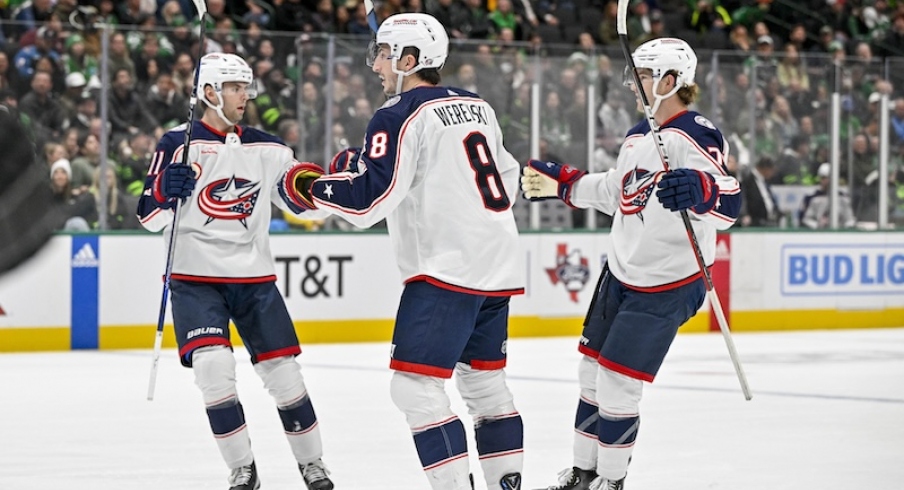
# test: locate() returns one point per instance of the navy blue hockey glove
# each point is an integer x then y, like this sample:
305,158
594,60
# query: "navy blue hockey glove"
685,188
345,161
175,182
543,180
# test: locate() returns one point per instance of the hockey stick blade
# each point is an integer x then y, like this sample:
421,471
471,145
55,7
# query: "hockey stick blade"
201,7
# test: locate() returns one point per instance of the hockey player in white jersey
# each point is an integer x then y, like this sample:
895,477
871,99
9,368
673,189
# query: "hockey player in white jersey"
434,166
223,269
652,283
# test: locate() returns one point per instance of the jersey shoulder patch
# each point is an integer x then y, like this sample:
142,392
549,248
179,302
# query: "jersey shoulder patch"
706,123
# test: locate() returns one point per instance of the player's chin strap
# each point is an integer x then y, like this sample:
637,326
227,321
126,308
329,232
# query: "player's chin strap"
402,74
218,108
660,97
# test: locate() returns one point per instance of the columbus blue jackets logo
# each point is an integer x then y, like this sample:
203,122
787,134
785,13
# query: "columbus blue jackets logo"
636,189
571,270
229,199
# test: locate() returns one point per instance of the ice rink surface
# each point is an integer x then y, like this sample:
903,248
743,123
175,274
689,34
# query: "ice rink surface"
827,413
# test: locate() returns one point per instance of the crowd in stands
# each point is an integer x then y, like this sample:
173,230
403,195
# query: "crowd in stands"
779,62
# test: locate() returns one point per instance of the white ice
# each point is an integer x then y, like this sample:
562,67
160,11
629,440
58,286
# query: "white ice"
827,413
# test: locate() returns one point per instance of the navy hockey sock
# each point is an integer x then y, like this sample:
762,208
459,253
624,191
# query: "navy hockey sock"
226,418
442,443
586,419
618,431
499,435
298,417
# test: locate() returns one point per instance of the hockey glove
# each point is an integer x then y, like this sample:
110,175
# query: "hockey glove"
345,161
175,182
543,180
295,187
685,188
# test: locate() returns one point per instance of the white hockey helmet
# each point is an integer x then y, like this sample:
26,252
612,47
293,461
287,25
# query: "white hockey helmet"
667,54
219,68
421,31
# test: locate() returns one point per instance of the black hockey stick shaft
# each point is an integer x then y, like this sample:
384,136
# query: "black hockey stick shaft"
622,29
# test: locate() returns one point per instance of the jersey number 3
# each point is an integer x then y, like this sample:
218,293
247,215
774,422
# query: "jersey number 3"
486,175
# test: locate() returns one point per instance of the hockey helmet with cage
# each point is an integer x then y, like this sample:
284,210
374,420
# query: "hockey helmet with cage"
219,68
412,30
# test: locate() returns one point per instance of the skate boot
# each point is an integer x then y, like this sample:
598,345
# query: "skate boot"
244,478
574,479
511,481
315,476
606,484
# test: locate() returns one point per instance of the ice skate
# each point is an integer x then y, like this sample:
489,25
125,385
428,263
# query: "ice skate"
574,479
606,484
316,476
244,478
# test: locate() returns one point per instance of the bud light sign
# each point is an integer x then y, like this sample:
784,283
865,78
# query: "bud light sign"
852,269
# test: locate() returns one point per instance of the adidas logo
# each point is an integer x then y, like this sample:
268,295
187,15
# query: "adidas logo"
85,257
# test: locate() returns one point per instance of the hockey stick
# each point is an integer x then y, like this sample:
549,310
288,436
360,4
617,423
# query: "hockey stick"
201,7
371,16
622,29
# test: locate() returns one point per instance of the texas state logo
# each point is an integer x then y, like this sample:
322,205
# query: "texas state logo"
636,189
572,270
229,199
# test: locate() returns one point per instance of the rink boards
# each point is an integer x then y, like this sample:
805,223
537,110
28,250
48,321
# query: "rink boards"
91,291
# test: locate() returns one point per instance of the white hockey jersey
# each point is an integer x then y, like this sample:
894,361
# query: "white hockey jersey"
650,246
434,166
224,225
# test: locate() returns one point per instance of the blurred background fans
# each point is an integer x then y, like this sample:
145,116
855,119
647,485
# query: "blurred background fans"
27,215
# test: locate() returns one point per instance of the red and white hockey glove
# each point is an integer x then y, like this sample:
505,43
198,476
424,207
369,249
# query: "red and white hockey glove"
544,180
295,187
685,188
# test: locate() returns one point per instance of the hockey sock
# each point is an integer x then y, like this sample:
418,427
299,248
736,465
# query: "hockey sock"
441,443
443,451
616,439
227,421
586,440
300,423
500,444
